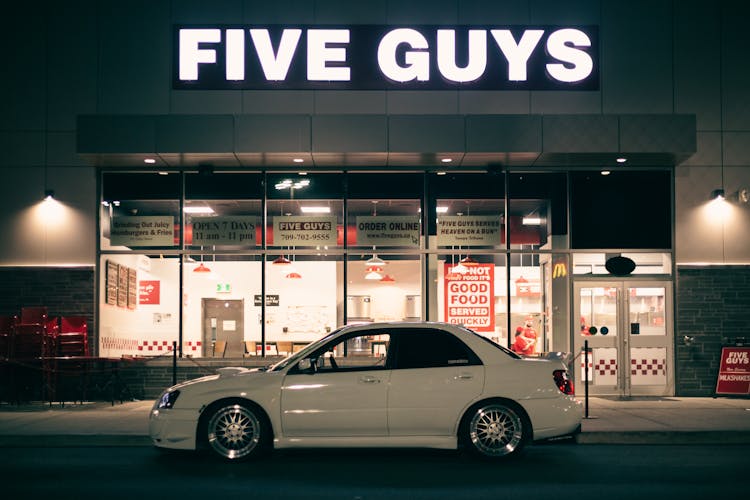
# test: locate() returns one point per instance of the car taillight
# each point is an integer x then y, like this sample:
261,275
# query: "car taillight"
563,382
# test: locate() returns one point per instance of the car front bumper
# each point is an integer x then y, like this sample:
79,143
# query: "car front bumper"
173,428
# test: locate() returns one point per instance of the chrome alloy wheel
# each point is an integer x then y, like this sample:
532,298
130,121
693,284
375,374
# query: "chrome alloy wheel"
234,432
496,430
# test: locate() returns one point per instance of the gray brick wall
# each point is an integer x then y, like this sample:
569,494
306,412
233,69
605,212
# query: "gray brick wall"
713,307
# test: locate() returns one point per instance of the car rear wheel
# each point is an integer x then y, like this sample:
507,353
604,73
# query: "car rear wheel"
495,430
237,431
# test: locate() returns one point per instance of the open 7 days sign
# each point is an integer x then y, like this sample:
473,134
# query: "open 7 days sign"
386,57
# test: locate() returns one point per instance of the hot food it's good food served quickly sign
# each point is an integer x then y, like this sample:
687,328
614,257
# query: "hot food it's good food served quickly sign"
370,57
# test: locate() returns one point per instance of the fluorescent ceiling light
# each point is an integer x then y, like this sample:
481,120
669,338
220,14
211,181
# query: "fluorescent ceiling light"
288,183
150,161
198,210
315,210
531,221
446,160
622,160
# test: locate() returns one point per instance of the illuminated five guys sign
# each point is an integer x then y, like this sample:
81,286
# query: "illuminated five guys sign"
386,57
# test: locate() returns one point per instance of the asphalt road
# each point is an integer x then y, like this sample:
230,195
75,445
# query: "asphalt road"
599,472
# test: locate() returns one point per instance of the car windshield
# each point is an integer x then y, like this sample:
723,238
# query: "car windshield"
301,354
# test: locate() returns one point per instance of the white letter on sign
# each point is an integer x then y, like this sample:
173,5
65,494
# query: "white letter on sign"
275,67
191,55
417,62
235,55
562,46
446,53
517,54
318,55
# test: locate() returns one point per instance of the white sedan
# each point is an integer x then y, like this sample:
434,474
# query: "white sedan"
428,385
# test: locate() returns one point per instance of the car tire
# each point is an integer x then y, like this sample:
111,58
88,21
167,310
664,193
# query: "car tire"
236,431
495,430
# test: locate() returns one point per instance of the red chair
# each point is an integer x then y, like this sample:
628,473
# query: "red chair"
34,316
73,339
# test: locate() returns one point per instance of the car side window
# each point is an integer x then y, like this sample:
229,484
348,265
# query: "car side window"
358,352
432,349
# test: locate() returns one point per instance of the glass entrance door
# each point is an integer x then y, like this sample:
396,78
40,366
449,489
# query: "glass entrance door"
628,326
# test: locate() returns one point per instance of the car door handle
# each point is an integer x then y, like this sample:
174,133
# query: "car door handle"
464,376
369,380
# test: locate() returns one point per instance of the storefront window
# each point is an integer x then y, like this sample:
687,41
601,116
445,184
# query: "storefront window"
140,211
220,297
139,305
538,211
384,288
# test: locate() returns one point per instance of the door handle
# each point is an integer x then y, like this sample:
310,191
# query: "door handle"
463,376
369,380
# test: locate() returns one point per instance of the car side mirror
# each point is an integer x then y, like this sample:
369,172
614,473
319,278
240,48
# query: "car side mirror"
306,365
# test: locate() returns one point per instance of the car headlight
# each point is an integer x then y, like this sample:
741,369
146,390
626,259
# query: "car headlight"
168,399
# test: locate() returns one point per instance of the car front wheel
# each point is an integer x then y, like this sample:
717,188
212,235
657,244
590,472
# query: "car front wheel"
495,430
236,431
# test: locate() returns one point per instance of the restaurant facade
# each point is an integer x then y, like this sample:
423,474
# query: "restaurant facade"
230,181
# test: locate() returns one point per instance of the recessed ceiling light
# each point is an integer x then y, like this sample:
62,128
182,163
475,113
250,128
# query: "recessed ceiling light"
441,210
150,161
442,172
605,172
298,160
446,160
622,160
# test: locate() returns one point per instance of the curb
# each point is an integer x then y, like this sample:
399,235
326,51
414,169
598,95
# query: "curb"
74,441
665,437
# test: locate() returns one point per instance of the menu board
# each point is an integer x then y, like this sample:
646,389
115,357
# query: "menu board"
111,279
132,288
121,284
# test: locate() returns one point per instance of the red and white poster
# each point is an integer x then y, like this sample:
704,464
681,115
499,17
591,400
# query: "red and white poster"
470,296
734,371
148,293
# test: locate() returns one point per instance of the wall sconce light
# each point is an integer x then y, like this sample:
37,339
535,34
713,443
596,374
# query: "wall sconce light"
49,194
743,196
717,194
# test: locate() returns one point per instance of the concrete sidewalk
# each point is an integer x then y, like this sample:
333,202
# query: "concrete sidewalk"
669,420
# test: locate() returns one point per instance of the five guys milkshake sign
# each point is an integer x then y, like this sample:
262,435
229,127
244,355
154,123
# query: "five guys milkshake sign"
373,57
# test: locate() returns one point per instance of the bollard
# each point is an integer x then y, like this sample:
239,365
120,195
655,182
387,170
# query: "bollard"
174,362
586,377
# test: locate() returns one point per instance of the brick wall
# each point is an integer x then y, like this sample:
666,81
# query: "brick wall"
66,291
713,307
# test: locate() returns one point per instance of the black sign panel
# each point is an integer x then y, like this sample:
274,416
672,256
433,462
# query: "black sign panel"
271,300
379,57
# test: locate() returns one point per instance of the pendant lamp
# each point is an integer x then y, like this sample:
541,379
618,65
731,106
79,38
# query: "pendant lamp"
201,269
281,261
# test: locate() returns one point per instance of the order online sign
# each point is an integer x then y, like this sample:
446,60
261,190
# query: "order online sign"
734,372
